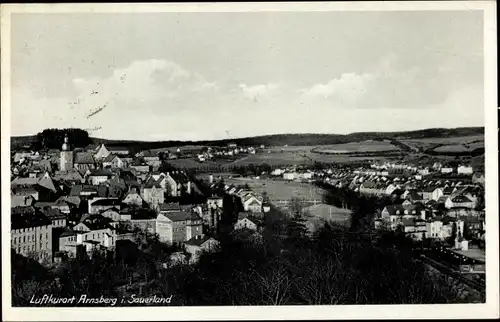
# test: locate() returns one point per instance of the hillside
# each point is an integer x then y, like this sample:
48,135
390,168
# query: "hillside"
283,139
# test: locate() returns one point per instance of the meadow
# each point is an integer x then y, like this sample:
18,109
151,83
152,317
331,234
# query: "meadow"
280,189
357,147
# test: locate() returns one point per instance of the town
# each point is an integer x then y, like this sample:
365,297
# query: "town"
73,202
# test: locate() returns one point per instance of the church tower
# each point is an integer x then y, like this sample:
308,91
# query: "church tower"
66,158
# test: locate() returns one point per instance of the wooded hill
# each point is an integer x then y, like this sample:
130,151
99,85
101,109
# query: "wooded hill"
47,140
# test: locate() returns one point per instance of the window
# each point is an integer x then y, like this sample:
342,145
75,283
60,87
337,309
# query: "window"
86,237
24,239
47,235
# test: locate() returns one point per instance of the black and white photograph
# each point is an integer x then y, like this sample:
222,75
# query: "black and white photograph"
305,156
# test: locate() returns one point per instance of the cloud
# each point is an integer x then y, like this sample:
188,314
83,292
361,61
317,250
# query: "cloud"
145,89
394,83
348,87
261,90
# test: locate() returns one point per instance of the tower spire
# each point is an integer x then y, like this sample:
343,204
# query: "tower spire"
65,146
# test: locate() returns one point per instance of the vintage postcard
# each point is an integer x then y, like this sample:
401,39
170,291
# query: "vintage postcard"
210,161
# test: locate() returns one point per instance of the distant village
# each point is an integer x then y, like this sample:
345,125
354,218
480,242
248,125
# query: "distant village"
72,202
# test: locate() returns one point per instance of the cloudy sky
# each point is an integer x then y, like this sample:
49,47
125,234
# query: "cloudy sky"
194,76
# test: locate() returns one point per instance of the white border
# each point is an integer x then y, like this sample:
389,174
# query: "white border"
488,310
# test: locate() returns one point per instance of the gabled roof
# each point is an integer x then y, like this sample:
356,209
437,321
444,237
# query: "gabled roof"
460,199
170,206
84,158
198,241
97,222
110,158
27,217
152,183
179,177
52,213
106,202
177,216
100,173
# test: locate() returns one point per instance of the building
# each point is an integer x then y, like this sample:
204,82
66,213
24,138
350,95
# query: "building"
178,227
99,176
462,169
133,198
459,201
113,161
152,159
154,195
446,170
31,233
251,203
98,205
57,218
289,175
66,156
244,222
94,233
84,161
214,202
200,244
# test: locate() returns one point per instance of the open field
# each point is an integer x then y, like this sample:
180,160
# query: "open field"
328,213
448,140
364,146
280,190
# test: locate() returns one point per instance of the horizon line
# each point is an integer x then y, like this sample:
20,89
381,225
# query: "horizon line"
263,135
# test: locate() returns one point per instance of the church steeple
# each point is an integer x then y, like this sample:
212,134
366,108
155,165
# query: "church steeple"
65,146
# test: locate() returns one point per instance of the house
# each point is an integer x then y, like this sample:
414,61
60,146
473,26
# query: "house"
251,203
462,169
431,193
214,202
114,215
442,227
200,244
93,233
178,227
289,175
99,176
143,219
44,180
103,151
57,218
98,205
113,161
277,172
31,233
153,194
72,176
459,201
413,196
244,222
415,228
372,188
133,198
170,207
119,150
178,183
141,168
84,161
151,159
20,200
446,170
